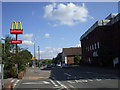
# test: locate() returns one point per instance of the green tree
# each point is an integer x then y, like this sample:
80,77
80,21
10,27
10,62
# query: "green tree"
77,60
10,58
47,61
58,59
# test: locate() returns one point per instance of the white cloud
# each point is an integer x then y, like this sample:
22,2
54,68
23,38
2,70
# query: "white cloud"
69,14
78,45
47,35
27,42
27,37
49,53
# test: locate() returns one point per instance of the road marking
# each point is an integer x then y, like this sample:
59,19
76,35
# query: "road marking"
98,79
33,83
67,74
16,83
45,82
78,81
81,81
71,81
90,80
13,80
84,81
61,84
71,86
53,83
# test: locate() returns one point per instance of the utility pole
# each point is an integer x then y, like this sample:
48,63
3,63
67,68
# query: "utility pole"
34,56
38,55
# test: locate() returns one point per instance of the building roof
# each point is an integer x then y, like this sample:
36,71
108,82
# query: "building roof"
72,51
113,17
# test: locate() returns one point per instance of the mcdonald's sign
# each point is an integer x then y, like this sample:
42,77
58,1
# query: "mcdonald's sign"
16,41
14,28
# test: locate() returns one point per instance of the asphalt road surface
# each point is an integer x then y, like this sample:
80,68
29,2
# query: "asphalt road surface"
73,78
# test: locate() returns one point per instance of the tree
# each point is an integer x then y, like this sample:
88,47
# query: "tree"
10,58
47,61
58,59
77,60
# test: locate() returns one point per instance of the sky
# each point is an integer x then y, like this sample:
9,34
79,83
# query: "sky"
53,26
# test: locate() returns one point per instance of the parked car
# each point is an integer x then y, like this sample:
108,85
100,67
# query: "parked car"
50,65
58,65
65,65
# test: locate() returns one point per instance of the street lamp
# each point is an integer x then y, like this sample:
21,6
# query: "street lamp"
4,47
2,65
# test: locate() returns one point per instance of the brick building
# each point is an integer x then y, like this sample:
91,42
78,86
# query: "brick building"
104,33
68,54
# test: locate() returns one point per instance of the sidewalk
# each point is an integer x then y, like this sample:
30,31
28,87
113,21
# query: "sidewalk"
36,73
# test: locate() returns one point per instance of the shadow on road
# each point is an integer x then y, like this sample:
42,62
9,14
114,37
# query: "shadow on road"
82,72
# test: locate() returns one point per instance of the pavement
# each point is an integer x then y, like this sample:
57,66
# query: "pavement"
73,78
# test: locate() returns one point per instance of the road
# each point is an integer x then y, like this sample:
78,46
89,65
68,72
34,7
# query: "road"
72,78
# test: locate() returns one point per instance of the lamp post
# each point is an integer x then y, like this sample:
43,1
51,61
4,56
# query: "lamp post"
2,65
38,55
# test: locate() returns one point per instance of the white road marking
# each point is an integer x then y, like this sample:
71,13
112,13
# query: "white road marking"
71,81
71,86
84,81
61,84
33,83
67,74
98,79
16,83
45,82
81,81
90,80
53,83
78,81
13,80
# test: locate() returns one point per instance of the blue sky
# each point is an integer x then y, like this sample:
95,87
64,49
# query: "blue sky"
53,26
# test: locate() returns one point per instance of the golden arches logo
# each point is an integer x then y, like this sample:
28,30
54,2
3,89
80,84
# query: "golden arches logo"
16,24
14,28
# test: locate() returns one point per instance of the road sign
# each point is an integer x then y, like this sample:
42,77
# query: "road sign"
33,58
16,41
14,28
16,31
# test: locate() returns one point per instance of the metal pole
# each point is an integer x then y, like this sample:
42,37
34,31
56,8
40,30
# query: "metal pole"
38,55
17,53
2,65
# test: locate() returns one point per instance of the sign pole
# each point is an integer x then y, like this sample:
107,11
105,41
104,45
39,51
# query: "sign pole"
17,53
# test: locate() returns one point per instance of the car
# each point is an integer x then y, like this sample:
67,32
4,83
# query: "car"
50,65
58,65
65,65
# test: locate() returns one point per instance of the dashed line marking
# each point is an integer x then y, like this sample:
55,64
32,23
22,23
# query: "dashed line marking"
71,86
53,83
67,74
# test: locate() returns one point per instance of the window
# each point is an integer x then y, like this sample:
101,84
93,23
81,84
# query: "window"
98,44
92,46
88,48
95,46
